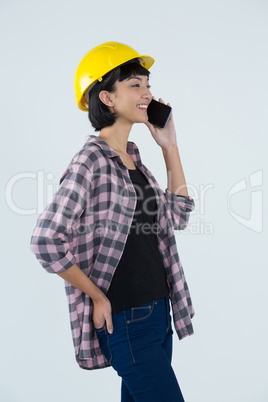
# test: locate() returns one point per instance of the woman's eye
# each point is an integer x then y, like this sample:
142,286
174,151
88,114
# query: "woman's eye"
135,85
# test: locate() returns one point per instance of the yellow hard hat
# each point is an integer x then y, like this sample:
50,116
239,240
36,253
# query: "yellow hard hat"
98,62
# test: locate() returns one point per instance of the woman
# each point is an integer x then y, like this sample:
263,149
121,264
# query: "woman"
109,232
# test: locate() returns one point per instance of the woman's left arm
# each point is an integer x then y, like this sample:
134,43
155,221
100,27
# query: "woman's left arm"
175,176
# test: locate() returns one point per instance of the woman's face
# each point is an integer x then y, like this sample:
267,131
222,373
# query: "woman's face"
131,98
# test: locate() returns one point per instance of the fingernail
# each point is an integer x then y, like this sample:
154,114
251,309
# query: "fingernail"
110,331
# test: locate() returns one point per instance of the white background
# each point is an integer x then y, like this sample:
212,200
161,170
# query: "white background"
211,65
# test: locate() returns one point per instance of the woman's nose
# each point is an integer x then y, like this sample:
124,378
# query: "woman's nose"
147,94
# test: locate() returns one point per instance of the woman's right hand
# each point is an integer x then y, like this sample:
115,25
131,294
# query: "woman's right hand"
102,312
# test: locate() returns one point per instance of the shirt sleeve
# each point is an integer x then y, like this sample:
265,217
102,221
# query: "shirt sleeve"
49,241
180,207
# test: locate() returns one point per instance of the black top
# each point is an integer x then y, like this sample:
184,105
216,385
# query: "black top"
140,275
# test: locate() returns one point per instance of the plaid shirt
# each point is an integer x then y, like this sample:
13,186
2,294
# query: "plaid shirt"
87,223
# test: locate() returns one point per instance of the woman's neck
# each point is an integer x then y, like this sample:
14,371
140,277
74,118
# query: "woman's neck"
116,136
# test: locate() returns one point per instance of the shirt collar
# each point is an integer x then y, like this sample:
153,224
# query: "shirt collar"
132,148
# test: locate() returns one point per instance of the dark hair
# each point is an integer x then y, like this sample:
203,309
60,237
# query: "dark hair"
98,113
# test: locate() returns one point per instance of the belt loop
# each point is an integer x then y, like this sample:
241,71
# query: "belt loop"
166,308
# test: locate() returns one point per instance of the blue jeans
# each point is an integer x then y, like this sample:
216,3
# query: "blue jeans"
140,350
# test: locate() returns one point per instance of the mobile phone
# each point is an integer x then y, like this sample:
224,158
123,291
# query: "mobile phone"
158,113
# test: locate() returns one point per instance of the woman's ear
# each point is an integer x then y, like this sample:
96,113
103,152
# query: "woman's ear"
106,98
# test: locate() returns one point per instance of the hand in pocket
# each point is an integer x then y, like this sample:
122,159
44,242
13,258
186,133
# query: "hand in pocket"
102,313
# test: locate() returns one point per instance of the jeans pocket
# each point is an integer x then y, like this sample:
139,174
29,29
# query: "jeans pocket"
140,313
103,337
100,329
